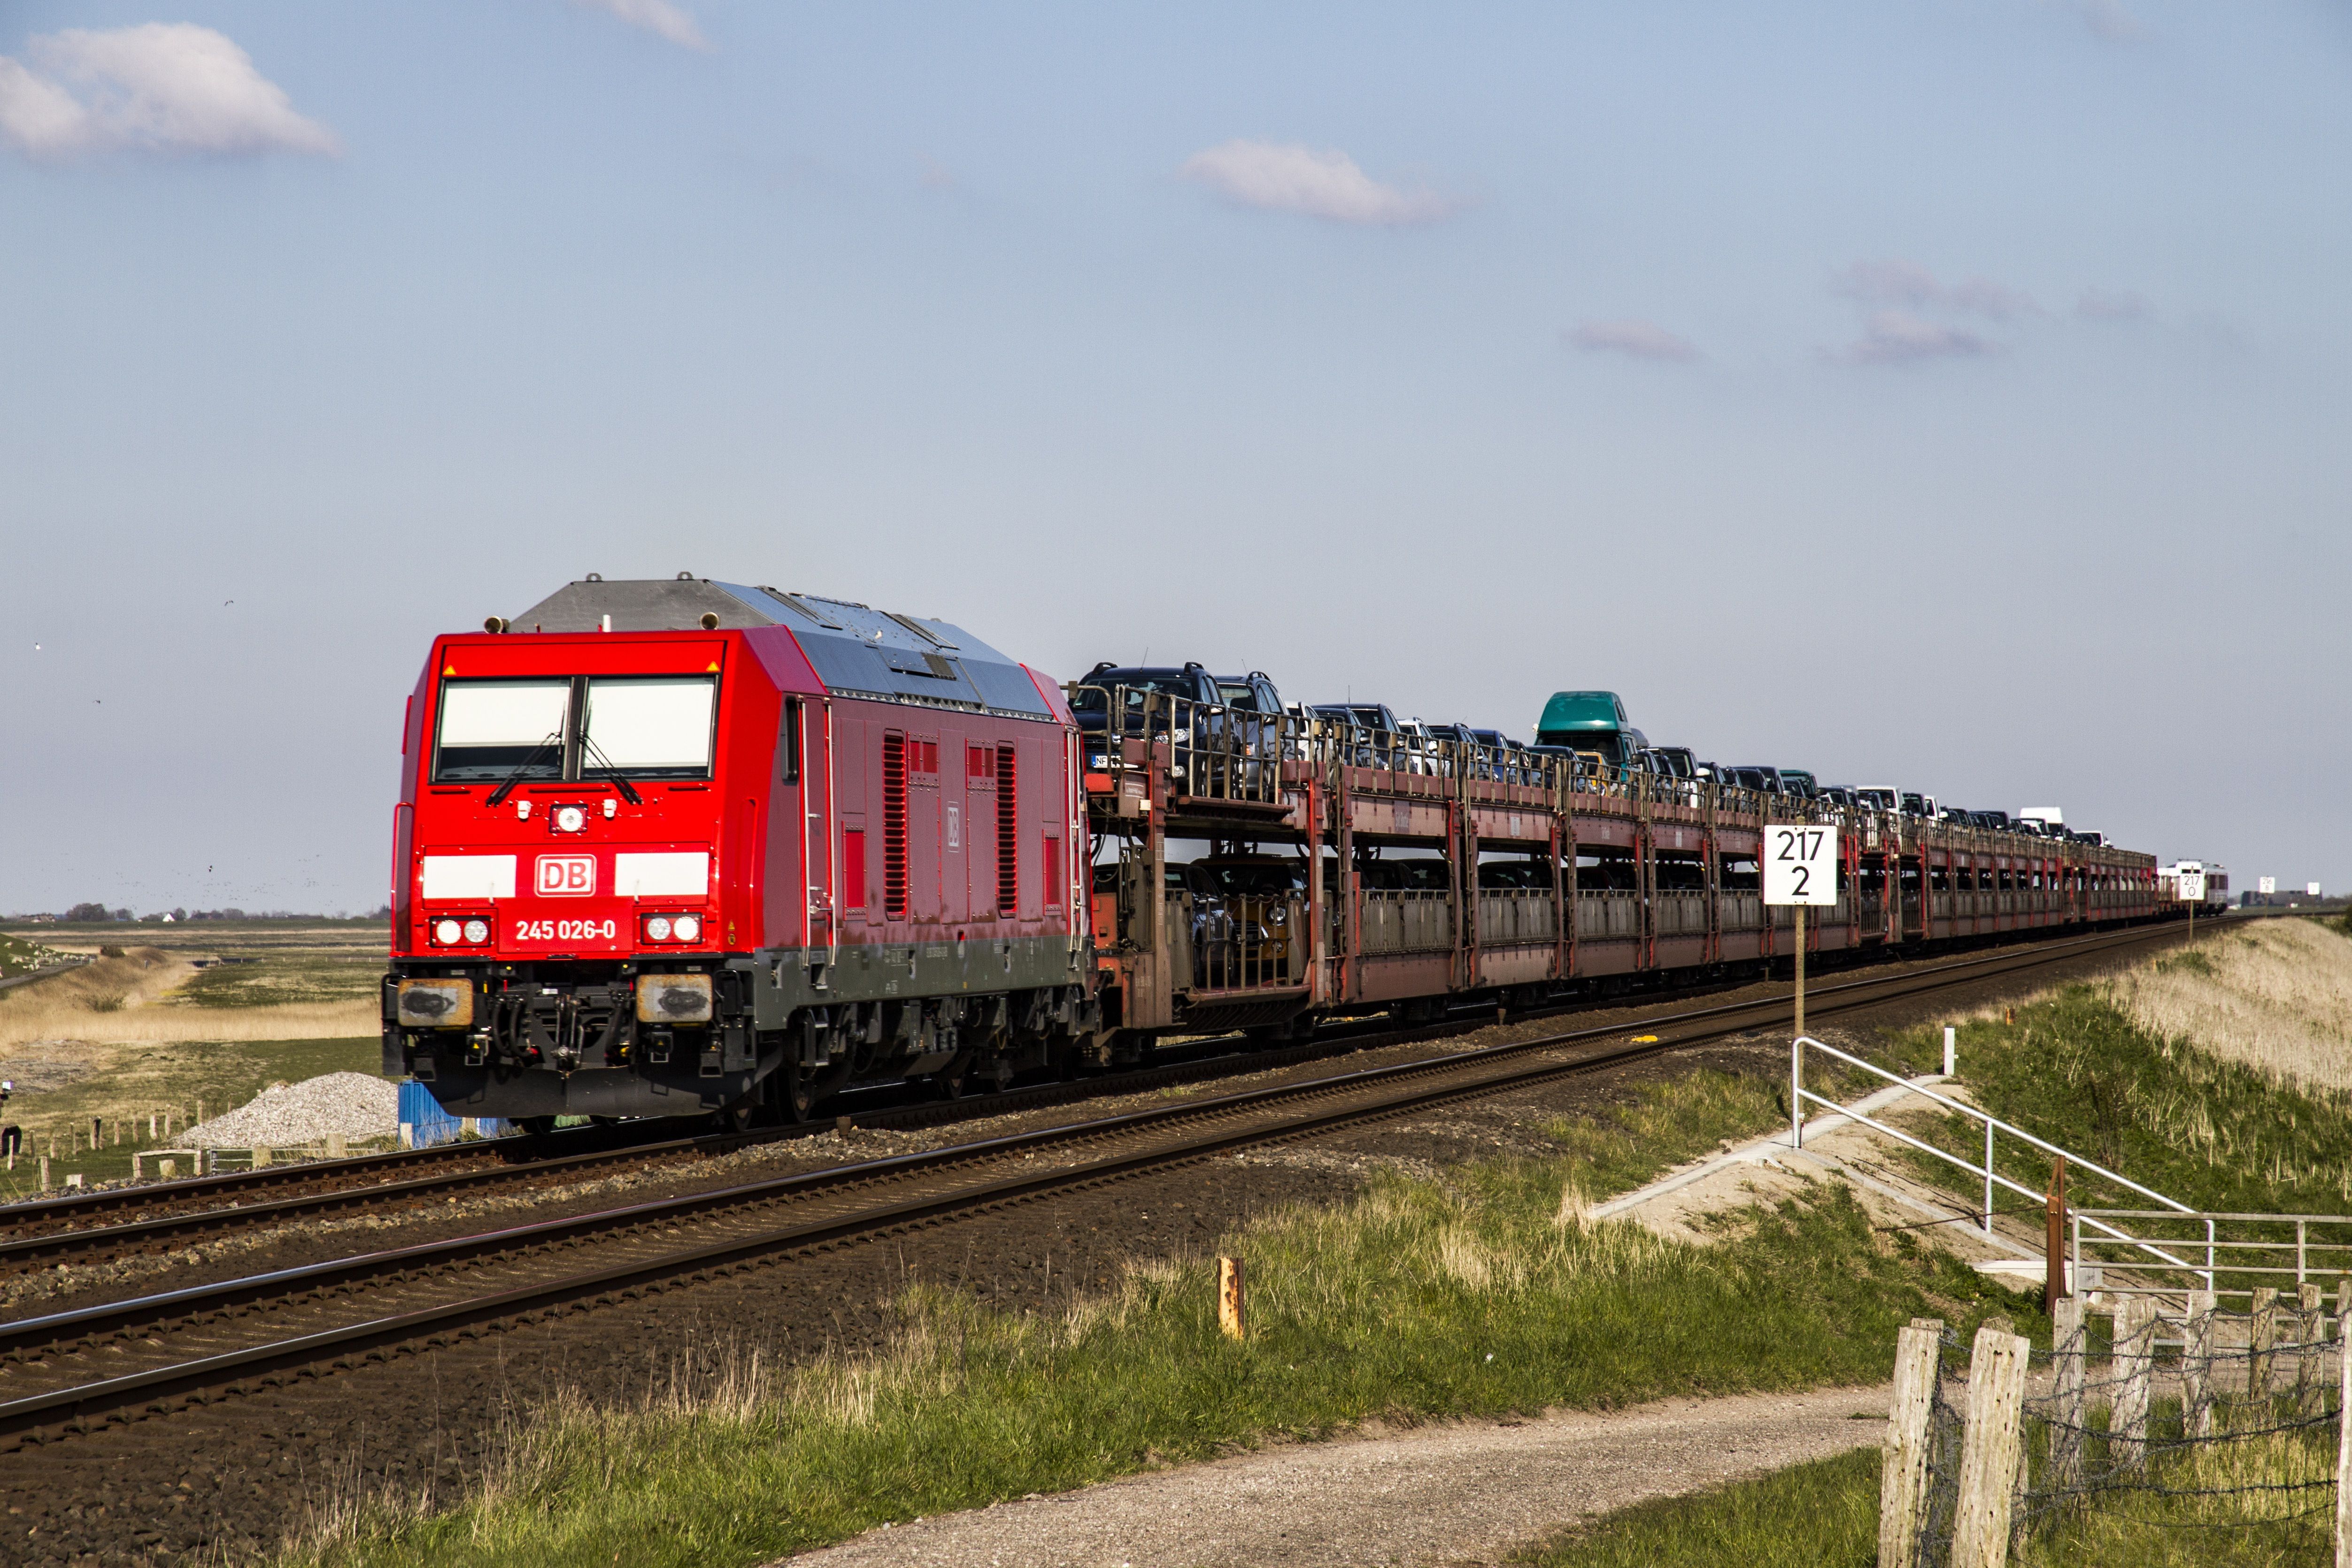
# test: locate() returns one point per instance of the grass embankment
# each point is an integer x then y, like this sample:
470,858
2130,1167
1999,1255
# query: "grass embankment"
1485,1294
2121,1072
22,955
2217,1134
2272,995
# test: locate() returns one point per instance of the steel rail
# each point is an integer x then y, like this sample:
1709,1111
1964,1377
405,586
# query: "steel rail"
533,1162
80,1402
519,1157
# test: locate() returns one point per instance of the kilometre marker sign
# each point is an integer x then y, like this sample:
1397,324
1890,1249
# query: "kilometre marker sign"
1800,864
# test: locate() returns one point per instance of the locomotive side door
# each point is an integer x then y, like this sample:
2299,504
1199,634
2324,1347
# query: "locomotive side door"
802,854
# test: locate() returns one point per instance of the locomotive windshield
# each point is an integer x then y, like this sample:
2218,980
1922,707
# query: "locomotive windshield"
654,727
581,727
492,729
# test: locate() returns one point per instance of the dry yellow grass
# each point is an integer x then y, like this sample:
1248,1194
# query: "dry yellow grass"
125,1001
2274,995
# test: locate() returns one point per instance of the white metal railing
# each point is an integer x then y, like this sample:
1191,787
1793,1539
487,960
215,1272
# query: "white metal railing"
1798,1094
2233,1246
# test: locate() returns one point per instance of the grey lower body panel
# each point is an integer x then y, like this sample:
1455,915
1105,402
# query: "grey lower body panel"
790,979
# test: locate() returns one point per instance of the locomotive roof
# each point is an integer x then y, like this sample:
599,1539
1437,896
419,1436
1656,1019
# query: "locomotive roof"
853,647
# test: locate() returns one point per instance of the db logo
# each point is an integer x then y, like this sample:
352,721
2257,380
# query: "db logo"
566,876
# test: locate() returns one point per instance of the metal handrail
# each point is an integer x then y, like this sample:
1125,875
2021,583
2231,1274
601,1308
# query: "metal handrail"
1798,1094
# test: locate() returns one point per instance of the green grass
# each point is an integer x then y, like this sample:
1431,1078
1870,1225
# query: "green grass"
1821,1515
1481,1296
1661,1128
1825,1515
276,978
2216,1135
219,1076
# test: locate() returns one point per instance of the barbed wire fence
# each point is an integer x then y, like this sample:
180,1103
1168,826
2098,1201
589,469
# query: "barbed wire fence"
2184,1420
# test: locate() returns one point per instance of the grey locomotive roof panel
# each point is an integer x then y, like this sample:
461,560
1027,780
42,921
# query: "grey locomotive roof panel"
853,646
637,604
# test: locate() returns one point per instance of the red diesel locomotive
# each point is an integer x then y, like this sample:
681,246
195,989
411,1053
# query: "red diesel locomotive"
682,847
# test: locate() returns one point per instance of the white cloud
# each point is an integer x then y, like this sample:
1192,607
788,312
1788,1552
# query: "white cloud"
659,18
1898,337
1637,340
1906,283
1285,178
1888,282
162,87
2112,305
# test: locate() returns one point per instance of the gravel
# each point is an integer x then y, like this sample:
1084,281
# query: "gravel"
284,1116
1453,1494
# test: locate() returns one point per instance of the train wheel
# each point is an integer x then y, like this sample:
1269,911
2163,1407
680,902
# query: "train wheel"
796,1095
948,1084
537,1126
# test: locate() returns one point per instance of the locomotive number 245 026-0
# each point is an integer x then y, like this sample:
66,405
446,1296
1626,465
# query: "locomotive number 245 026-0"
566,930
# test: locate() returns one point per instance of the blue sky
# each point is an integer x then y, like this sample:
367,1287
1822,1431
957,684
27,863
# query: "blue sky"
1945,394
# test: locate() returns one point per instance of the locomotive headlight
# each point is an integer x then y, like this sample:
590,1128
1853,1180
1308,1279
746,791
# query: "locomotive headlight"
522,810
689,928
478,931
611,807
657,929
447,933
569,819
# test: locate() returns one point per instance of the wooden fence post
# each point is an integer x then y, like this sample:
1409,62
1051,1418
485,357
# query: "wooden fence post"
1903,1474
2344,1452
2066,1350
2310,1328
2134,1355
2264,1340
2196,1367
1231,1309
2055,1283
1988,1445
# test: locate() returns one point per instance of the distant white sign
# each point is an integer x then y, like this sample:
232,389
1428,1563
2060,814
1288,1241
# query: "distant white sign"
2311,890
2266,885
2192,887
1800,864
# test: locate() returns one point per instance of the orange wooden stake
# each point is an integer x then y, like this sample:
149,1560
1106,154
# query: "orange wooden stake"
1230,1310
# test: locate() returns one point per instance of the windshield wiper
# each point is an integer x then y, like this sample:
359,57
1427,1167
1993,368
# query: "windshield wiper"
629,791
498,795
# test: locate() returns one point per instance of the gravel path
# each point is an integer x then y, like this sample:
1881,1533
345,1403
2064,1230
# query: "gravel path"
1452,1495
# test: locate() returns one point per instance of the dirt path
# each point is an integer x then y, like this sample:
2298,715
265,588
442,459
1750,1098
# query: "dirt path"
1452,1495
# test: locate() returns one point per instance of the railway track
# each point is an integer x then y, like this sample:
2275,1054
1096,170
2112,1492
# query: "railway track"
160,1215
125,1360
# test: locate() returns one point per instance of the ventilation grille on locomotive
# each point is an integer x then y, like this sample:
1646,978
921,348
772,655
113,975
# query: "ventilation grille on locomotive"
894,826
1008,835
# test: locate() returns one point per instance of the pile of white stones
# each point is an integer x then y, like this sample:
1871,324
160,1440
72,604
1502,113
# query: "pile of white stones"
291,1115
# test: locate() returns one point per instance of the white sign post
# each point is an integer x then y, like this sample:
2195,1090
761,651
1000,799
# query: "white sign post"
1800,866
2189,887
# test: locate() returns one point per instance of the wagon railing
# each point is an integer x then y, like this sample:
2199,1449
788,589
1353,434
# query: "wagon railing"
1213,752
